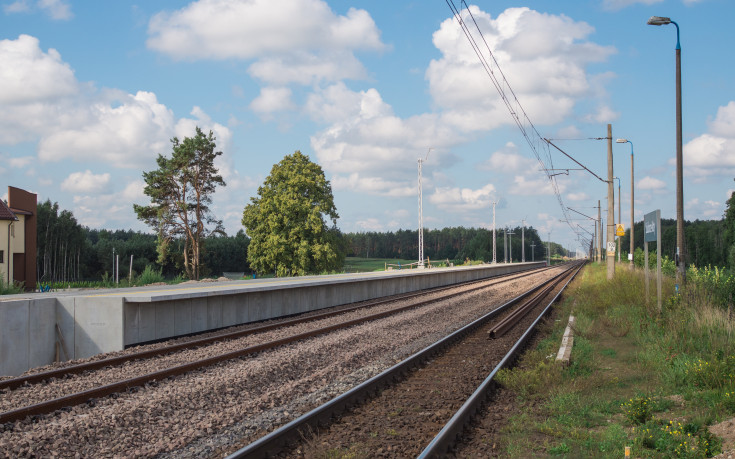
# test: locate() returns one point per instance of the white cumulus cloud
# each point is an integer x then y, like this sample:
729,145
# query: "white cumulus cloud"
543,56
86,182
535,186
300,41
713,153
508,159
708,210
368,139
459,200
55,9
29,75
272,100
651,183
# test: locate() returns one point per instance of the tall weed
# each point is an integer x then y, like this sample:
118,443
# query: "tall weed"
150,275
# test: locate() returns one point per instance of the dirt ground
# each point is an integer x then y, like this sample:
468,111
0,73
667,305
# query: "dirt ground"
726,431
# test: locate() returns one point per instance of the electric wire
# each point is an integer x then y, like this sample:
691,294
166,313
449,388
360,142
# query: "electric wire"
537,143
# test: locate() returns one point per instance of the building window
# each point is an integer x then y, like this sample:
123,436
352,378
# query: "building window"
2,256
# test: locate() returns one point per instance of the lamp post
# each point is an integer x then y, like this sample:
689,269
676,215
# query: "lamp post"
680,249
632,221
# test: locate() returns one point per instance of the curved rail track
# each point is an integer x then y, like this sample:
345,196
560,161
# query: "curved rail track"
433,390
78,397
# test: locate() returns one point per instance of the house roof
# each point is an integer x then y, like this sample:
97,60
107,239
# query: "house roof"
5,212
20,211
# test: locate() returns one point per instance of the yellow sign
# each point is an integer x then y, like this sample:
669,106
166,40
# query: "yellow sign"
619,230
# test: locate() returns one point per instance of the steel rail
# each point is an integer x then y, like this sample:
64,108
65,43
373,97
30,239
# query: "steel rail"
35,378
50,406
273,443
453,429
519,313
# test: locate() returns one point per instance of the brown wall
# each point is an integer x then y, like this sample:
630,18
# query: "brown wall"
23,200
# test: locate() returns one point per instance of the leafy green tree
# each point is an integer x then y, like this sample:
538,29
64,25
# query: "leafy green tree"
286,221
181,191
730,230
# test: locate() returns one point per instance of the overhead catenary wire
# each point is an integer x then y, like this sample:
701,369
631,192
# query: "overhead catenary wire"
537,143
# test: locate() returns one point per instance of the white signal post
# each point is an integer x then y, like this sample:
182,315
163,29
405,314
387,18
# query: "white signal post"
421,215
494,259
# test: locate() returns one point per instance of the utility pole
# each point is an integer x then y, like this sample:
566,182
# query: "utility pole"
510,245
505,245
632,217
533,252
593,249
610,206
523,241
494,259
548,250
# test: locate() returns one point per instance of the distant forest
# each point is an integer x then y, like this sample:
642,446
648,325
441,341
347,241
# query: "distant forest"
705,241
68,251
456,244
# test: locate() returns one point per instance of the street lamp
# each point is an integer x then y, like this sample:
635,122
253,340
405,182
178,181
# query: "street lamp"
680,249
632,221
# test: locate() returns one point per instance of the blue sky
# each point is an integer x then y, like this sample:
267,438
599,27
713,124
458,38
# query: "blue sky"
91,92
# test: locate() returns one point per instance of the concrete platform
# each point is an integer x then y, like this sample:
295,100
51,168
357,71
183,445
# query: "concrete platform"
106,320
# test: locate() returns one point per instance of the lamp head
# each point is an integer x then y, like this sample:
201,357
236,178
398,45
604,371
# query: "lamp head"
621,141
658,20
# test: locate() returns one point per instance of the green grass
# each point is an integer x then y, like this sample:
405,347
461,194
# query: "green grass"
638,377
364,265
9,289
149,276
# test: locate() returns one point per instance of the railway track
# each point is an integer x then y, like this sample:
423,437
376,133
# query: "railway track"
119,368
435,390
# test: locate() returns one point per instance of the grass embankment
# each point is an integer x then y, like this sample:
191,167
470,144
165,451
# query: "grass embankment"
639,377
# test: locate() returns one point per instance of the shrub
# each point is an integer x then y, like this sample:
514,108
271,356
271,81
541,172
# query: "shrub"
638,409
150,276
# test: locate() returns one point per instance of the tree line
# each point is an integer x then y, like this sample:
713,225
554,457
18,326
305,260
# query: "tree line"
68,251
456,244
706,241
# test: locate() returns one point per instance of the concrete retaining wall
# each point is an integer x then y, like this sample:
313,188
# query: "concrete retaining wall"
111,320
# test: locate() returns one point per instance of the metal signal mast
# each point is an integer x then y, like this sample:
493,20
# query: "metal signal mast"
421,215
494,259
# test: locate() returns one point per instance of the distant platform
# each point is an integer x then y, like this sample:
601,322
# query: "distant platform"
89,322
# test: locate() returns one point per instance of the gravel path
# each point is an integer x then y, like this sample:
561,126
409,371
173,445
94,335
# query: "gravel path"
205,412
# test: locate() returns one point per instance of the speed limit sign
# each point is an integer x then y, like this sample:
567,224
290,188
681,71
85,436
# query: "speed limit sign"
611,249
